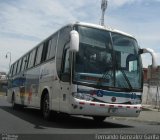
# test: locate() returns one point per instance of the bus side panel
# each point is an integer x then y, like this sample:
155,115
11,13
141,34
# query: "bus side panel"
16,84
48,80
32,87
9,95
9,90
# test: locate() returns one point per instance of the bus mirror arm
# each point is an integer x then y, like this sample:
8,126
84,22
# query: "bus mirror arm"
153,54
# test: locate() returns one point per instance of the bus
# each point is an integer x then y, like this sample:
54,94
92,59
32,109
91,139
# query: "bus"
81,69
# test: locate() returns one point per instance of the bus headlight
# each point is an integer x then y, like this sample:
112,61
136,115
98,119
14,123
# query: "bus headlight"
82,96
135,101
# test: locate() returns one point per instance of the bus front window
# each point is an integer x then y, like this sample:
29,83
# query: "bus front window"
94,58
127,61
107,59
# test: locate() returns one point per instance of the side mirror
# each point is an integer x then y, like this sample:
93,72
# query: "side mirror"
153,54
74,42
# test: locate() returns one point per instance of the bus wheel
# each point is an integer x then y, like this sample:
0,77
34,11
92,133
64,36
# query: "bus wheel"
99,118
45,107
14,105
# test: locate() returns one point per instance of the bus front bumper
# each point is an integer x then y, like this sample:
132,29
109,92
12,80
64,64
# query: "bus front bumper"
89,108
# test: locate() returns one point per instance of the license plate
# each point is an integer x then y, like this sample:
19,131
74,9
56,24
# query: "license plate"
112,110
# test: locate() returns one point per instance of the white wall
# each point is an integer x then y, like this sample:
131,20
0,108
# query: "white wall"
150,94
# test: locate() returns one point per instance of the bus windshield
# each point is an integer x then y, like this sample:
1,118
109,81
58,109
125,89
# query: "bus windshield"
107,59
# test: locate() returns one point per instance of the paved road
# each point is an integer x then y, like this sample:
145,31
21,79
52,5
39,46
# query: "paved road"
29,121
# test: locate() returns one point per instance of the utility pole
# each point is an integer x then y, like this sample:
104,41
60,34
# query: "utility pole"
104,4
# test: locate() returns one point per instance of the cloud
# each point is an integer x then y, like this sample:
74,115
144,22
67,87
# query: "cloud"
24,23
119,3
17,47
30,17
139,18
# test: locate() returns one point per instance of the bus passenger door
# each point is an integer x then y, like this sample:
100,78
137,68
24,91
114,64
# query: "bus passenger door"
65,82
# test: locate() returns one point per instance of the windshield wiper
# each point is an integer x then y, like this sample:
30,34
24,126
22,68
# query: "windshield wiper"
106,76
126,78
116,67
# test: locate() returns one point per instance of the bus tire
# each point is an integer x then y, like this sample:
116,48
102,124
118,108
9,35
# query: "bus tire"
14,105
99,118
45,107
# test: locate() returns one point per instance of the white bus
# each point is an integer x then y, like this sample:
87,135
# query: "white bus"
82,69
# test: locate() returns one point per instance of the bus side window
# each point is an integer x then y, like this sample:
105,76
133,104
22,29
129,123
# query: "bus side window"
65,75
49,49
52,46
23,63
10,72
39,55
26,61
66,68
45,51
19,66
12,69
31,59
15,68
64,37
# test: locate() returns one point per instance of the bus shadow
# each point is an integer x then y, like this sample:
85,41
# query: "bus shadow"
63,121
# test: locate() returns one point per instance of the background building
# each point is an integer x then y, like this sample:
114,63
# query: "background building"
151,93
3,82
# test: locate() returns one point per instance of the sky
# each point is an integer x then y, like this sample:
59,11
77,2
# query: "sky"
25,23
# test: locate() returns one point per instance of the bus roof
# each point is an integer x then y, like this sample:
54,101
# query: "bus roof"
107,28
103,28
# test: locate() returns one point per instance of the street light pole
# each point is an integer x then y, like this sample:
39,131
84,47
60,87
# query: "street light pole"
9,59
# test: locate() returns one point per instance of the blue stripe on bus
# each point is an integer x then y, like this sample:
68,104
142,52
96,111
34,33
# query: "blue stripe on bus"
111,93
124,95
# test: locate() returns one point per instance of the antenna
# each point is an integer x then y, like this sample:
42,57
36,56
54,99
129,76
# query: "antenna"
104,4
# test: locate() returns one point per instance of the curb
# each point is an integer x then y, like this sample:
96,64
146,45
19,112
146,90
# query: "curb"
137,120
146,109
149,109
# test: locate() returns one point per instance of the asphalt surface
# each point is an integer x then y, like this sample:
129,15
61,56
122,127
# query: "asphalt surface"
28,124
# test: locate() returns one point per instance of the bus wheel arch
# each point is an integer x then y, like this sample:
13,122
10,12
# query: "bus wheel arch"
13,99
14,105
45,104
45,91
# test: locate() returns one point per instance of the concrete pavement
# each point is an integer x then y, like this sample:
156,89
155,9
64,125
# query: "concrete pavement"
146,107
148,114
